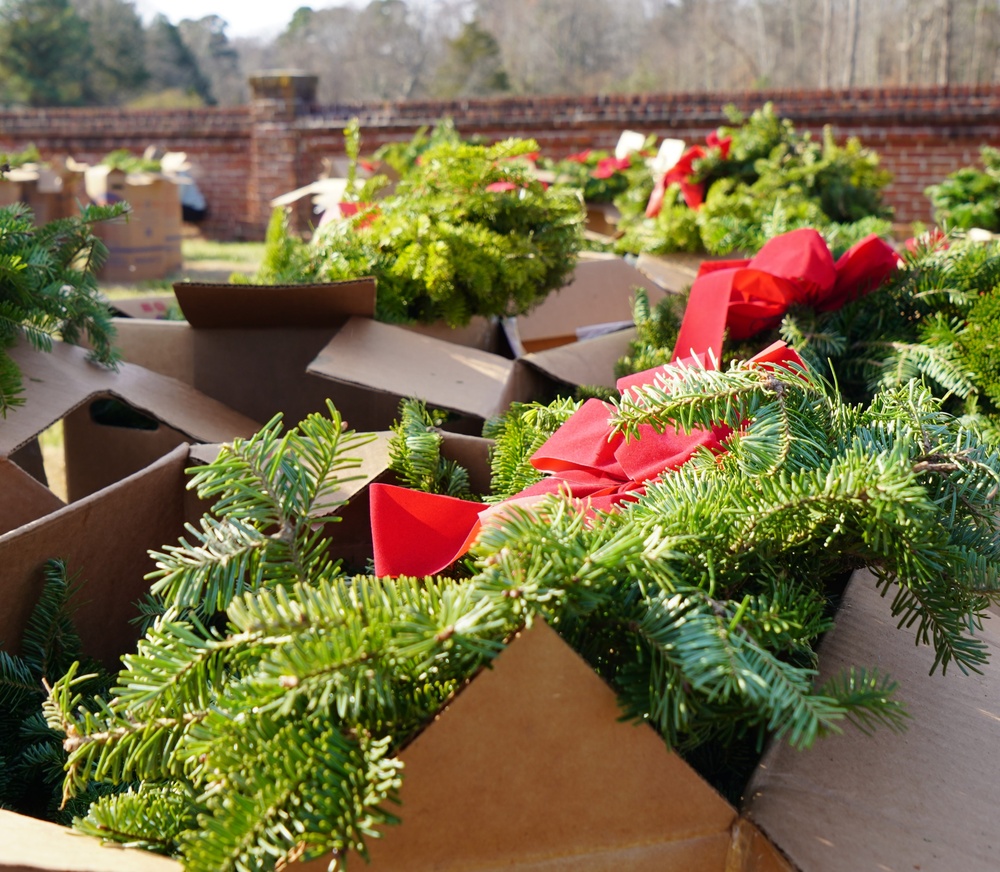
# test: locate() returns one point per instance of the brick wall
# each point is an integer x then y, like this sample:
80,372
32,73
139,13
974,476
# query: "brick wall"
247,155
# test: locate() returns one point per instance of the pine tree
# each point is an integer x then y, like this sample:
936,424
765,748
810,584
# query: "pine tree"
258,718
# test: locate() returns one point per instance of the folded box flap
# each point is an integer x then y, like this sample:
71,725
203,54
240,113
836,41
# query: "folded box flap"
391,359
57,382
600,291
533,764
587,362
31,845
324,304
924,799
22,498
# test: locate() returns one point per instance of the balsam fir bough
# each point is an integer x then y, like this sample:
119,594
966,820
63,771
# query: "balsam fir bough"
258,719
48,288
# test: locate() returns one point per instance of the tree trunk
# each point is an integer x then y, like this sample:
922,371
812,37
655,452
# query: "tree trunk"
944,58
826,38
853,15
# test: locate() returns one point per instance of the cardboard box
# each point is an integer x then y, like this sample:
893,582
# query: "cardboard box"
675,273
248,346
530,767
31,845
390,363
10,191
62,385
146,244
923,800
597,299
602,219
106,536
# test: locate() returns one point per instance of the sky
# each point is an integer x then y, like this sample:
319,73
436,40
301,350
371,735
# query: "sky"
246,17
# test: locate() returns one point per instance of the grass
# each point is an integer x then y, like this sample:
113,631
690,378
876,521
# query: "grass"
204,261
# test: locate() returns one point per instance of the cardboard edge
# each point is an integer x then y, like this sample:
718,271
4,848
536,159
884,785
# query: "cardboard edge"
208,305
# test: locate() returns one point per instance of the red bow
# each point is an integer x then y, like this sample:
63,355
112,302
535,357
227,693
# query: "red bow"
608,166
681,174
416,533
748,296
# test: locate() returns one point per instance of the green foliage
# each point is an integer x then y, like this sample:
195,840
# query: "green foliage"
932,320
48,288
28,154
31,754
774,179
579,172
44,45
267,729
445,248
518,434
276,493
403,156
415,453
969,197
656,329
472,65
122,159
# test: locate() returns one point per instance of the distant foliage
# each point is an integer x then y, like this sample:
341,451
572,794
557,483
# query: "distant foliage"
969,197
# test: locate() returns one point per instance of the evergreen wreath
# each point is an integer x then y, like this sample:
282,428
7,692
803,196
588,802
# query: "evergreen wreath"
258,718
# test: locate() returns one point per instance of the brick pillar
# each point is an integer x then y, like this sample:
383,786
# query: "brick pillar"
279,98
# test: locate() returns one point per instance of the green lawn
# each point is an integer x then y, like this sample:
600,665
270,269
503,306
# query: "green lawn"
204,260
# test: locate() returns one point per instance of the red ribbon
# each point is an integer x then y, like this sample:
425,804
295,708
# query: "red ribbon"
608,166
416,533
748,296
682,174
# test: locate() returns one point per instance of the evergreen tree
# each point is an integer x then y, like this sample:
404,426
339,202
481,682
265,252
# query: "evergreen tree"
45,51
472,65
171,64
217,58
116,69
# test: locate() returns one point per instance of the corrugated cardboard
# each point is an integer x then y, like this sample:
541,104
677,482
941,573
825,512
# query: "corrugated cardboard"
925,800
602,219
24,498
258,369
597,299
387,360
208,305
10,191
531,768
29,845
105,538
146,244
63,385
675,273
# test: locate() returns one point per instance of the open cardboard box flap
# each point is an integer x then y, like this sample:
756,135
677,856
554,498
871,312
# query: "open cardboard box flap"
922,800
598,296
31,845
57,382
217,305
532,765
386,358
24,498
